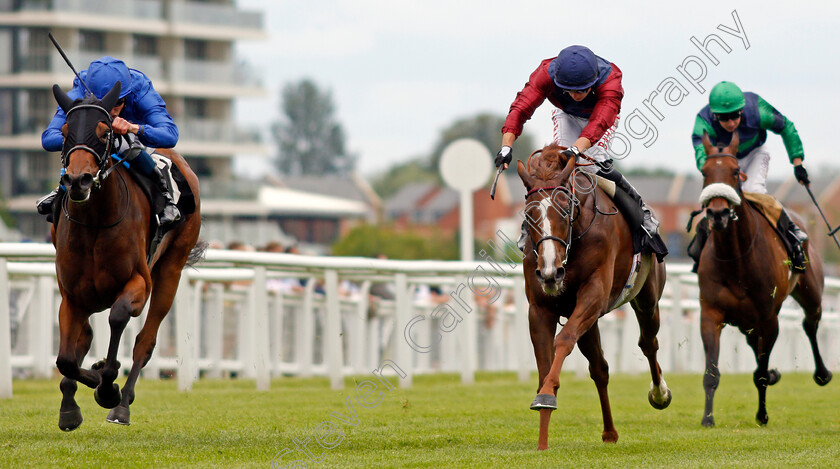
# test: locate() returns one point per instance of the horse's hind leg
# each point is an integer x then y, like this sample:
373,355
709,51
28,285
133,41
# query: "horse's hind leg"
165,285
590,345
761,341
129,304
70,415
659,395
809,296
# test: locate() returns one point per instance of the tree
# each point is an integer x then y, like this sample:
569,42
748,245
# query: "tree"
484,127
374,241
309,140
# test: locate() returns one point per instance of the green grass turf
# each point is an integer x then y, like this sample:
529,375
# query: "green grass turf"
436,423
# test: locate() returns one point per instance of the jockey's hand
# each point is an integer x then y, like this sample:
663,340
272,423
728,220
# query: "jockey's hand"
122,126
571,152
801,175
504,157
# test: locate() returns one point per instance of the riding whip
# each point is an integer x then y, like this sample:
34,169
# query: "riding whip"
831,232
64,56
495,181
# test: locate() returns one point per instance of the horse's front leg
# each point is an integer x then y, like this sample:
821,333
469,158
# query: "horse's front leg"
711,323
591,302
166,277
129,304
762,341
590,346
70,415
543,326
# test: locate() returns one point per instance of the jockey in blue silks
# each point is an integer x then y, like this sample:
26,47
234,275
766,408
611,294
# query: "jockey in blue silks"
139,118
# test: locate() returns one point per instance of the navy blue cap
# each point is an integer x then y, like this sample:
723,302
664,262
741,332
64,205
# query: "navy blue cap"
575,68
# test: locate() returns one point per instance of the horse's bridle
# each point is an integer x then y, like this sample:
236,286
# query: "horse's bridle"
101,159
732,215
565,214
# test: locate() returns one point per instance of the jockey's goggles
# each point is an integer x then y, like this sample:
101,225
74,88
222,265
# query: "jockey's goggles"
728,116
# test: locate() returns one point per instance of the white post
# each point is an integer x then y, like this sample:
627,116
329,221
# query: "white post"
468,340
466,212
402,350
185,335
262,352
101,334
524,351
215,335
360,336
5,333
305,327
278,310
41,321
333,346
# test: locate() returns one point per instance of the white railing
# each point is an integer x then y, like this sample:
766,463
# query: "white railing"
236,315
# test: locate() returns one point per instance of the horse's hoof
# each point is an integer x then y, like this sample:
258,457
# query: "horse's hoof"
108,398
118,415
101,365
823,380
708,421
544,401
69,420
761,419
609,437
657,405
775,376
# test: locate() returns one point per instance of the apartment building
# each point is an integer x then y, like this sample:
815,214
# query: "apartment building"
185,46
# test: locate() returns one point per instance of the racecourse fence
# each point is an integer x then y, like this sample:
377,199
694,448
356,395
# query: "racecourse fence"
263,315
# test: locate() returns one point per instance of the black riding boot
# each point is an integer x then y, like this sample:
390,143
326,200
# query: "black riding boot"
170,212
44,204
648,223
795,237
695,248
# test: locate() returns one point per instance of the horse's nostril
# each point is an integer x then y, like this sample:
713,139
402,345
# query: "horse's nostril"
559,273
87,180
66,181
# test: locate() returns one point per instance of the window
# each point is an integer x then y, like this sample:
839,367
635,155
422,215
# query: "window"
195,108
145,45
195,49
91,41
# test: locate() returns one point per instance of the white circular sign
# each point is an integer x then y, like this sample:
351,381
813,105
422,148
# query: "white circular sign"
465,164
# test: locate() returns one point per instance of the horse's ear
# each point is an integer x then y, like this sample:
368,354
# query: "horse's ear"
64,101
743,176
111,98
523,174
566,172
707,144
732,149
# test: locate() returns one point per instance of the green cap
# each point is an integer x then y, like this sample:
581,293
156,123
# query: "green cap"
726,97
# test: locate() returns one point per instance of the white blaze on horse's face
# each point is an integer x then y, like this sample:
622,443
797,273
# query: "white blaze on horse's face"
549,251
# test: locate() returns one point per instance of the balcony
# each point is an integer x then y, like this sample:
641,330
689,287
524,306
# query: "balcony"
215,130
144,9
214,15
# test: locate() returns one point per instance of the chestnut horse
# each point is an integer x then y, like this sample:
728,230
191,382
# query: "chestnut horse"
578,259
101,243
744,278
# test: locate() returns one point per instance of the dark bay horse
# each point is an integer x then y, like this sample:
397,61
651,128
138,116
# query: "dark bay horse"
744,278
101,244
579,259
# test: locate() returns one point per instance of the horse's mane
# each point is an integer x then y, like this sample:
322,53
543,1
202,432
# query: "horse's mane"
546,164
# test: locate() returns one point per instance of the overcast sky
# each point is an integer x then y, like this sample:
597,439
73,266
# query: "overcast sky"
400,72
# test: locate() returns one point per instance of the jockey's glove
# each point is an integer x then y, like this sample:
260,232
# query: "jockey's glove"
505,156
801,174
571,152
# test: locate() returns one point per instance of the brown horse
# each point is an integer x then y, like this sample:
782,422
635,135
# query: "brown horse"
744,278
101,244
579,257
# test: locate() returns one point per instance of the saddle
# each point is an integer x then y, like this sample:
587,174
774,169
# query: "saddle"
177,185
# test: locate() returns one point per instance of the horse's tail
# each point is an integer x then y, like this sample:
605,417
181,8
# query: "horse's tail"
197,253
